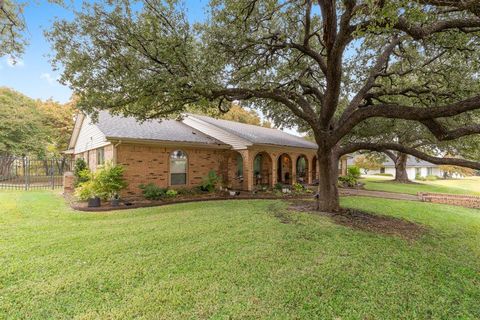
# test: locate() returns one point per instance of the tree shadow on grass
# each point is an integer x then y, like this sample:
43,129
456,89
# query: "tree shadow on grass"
365,221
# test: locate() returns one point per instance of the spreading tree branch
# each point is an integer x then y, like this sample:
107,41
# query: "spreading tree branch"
396,111
382,147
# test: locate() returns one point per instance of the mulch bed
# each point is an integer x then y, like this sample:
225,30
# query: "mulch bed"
365,221
105,205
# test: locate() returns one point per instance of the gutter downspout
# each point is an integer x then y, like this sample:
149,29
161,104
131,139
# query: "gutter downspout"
115,151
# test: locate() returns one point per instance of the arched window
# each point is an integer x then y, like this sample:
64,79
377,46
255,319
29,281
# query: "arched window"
239,166
178,167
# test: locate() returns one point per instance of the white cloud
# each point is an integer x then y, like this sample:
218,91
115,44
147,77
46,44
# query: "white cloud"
48,77
15,62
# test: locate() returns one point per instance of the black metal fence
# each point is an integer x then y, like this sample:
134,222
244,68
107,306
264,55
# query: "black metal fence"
24,173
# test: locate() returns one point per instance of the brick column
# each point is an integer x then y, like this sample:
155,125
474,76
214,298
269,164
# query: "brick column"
247,169
310,167
68,182
294,168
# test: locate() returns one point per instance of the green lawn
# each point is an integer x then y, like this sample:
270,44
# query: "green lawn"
470,185
233,260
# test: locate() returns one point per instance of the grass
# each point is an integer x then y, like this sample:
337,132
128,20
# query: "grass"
470,185
233,260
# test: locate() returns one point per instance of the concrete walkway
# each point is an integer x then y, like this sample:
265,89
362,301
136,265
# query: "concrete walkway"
379,194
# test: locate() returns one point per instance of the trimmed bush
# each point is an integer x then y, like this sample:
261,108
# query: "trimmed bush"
297,187
347,181
354,171
152,192
210,182
81,172
188,191
278,186
171,193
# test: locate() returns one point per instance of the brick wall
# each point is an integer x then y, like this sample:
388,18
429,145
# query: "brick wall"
151,164
451,199
90,156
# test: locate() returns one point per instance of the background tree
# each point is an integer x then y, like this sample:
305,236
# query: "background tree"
21,128
327,65
239,114
58,118
451,171
368,162
33,127
12,26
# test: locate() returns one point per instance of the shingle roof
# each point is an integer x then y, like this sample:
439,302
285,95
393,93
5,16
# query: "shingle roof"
411,162
165,130
257,134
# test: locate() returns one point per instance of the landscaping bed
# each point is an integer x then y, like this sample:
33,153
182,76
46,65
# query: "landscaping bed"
210,196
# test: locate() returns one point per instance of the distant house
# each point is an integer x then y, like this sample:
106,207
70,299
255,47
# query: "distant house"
415,168
180,153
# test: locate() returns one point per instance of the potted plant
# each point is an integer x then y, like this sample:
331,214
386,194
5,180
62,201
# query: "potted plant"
115,201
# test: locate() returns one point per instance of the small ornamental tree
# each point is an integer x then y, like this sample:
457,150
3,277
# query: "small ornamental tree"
450,171
367,163
326,65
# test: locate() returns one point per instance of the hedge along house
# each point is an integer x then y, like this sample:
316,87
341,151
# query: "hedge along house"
180,153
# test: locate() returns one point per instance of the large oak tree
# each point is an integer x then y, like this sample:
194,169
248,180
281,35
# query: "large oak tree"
327,65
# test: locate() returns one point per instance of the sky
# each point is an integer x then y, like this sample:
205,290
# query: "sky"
33,74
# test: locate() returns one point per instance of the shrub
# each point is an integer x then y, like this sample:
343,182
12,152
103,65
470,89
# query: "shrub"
210,182
87,190
110,180
431,178
171,193
419,177
298,187
348,180
152,192
81,172
278,186
188,191
354,171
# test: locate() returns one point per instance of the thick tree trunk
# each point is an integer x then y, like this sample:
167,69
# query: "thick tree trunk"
328,199
401,174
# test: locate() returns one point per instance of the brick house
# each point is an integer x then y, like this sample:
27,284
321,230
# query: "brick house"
180,153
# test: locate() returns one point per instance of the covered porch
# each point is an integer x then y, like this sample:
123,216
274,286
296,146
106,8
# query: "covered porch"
263,168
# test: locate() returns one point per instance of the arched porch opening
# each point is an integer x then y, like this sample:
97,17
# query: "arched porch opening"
262,169
302,169
284,169
234,173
